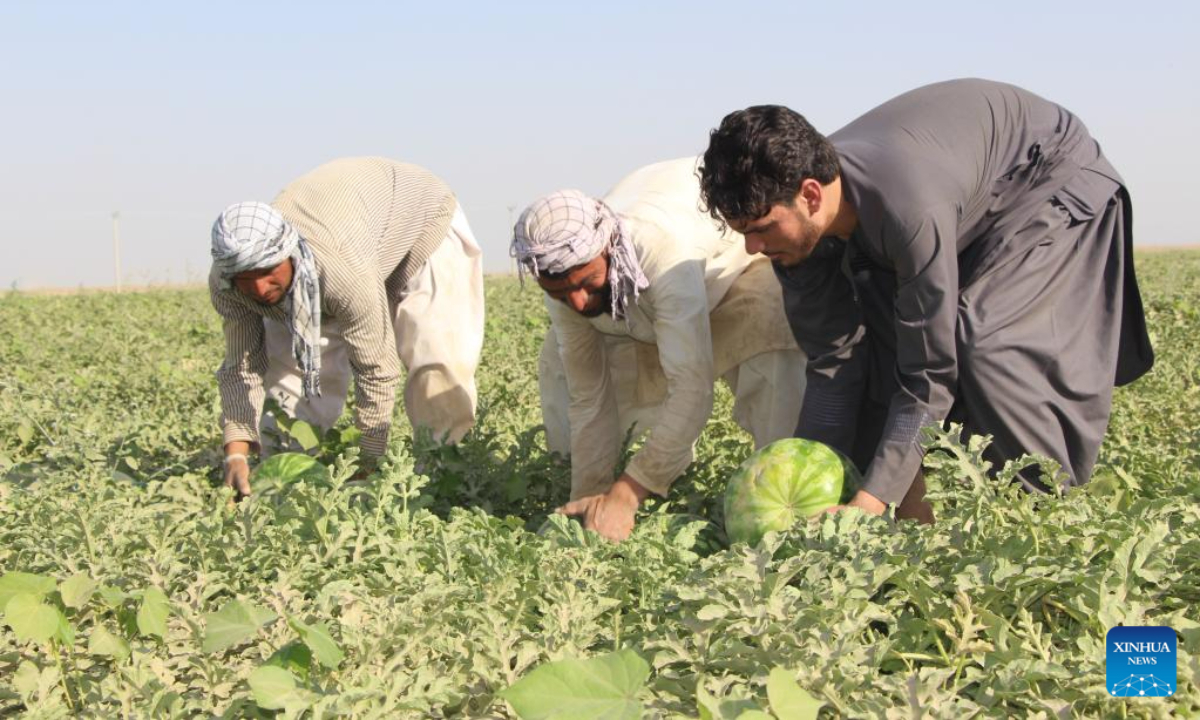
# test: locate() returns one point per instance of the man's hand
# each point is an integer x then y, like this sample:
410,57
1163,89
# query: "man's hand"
237,469
612,513
864,501
912,507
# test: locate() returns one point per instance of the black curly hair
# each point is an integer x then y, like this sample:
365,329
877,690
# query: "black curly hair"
757,158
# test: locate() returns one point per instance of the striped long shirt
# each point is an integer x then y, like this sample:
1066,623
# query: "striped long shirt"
371,224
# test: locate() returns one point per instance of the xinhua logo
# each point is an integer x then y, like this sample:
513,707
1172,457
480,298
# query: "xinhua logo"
1140,662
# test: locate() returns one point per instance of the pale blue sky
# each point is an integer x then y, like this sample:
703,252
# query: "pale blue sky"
170,111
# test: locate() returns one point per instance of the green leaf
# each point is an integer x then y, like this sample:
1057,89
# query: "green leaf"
332,436
233,624
351,436
727,709
319,640
112,597
26,679
708,706
282,419
21,583
755,714
711,612
152,613
123,477
601,687
25,432
77,590
65,631
271,685
789,701
103,642
295,657
304,434
275,689
30,618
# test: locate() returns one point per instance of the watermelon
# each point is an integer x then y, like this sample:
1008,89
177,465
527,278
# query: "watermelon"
286,468
786,481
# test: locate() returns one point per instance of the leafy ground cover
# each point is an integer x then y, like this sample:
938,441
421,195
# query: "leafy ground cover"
129,586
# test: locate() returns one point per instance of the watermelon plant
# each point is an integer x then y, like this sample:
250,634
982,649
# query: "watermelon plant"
130,587
784,482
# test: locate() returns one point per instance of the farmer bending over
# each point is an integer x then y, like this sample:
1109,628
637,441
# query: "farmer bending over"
650,301
355,268
962,251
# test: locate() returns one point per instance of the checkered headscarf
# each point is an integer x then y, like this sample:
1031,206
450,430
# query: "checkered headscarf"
254,236
566,229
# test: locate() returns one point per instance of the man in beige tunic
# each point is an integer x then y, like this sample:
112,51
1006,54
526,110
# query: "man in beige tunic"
650,301
358,267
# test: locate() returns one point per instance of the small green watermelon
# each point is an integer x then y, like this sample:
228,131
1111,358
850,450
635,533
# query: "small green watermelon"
286,468
784,482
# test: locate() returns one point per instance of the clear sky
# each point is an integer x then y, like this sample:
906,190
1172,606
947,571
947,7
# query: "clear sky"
170,111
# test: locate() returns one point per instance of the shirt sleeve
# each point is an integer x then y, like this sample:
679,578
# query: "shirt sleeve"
926,312
595,435
826,321
370,335
681,328
240,376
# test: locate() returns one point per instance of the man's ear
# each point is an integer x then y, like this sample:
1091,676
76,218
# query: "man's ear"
811,195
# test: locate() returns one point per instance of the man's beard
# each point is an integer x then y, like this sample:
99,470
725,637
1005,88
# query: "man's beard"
603,303
812,237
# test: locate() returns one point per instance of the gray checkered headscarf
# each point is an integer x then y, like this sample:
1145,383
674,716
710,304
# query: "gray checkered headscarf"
254,236
566,229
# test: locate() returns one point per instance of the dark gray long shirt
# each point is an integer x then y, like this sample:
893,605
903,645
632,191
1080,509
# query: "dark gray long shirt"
941,177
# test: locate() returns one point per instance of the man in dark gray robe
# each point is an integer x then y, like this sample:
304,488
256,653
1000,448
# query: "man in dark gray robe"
963,252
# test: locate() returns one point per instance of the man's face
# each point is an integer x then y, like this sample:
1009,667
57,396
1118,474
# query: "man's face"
584,288
786,234
266,286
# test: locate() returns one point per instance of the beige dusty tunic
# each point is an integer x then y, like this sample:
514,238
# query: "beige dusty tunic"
691,264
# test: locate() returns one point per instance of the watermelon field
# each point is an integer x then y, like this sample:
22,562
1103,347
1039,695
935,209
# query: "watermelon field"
130,586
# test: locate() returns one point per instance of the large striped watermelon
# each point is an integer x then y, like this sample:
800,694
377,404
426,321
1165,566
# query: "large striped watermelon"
788,480
283,469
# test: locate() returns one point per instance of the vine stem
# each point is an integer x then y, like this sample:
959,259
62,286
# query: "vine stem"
62,674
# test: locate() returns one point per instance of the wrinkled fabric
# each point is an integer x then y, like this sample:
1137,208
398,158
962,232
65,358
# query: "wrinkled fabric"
692,265
951,183
254,236
753,352
566,229
439,334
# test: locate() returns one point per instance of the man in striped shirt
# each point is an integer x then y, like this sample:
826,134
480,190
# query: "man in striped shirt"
357,267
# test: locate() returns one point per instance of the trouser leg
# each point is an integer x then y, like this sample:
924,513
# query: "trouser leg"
768,390
1038,343
284,381
623,368
439,335
552,387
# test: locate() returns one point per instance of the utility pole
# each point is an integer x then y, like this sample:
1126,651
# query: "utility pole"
116,218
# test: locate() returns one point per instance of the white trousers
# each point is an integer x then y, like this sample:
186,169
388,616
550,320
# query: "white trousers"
439,335
768,389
